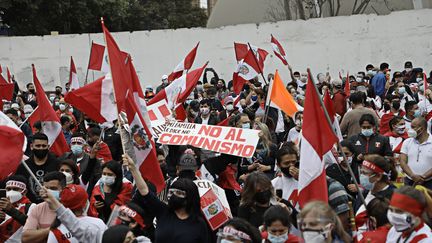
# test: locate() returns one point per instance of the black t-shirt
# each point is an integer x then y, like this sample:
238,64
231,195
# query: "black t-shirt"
39,171
172,229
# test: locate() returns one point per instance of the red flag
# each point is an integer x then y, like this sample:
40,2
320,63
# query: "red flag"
328,103
95,100
48,117
144,147
318,138
96,56
278,50
185,64
6,89
241,51
13,144
120,74
73,77
347,85
9,76
247,69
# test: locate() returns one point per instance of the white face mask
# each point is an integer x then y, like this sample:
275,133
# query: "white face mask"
62,107
108,180
401,221
277,238
69,177
230,107
317,236
205,111
14,196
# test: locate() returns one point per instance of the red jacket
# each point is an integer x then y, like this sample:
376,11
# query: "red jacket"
339,103
384,126
379,235
104,153
9,226
123,197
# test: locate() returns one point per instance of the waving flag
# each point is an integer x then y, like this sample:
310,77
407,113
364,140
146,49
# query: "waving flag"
247,69
48,117
13,144
278,50
318,138
184,65
280,98
73,77
6,89
328,103
347,86
241,51
95,99
98,58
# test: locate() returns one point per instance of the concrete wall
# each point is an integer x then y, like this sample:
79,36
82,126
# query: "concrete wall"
328,44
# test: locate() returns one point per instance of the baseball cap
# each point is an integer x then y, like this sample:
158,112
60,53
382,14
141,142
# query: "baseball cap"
338,197
164,76
73,197
228,99
187,162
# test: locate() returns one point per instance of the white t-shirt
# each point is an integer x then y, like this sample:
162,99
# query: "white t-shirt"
425,106
95,223
289,187
205,120
419,155
293,135
423,232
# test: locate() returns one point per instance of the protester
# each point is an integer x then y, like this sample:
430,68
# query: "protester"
294,133
378,222
239,230
277,226
94,136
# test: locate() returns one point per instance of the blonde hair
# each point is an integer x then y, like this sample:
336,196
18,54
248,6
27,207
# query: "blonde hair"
266,137
323,210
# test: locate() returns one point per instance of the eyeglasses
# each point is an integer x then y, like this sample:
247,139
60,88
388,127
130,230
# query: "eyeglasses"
177,192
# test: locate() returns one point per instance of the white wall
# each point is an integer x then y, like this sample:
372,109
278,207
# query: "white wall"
328,44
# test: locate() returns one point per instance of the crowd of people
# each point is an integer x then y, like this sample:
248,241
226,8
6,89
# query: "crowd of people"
379,183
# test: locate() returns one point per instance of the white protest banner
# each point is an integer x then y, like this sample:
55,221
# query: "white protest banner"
214,204
228,140
158,113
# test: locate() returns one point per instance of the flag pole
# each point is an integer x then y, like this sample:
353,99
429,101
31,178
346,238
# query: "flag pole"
256,61
338,142
85,81
31,173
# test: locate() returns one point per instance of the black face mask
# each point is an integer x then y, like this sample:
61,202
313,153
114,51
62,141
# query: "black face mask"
263,197
175,202
386,106
396,105
72,126
31,91
285,171
91,143
58,92
40,153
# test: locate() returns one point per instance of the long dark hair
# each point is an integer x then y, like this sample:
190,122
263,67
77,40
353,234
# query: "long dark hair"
116,168
249,190
192,196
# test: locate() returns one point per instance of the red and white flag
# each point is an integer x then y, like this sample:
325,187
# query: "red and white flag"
328,103
49,119
98,58
247,69
241,51
278,50
144,147
13,144
95,99
184,65
317,139
425,82
73,77
6,89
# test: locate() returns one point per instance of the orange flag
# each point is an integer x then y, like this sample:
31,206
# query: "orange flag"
280,98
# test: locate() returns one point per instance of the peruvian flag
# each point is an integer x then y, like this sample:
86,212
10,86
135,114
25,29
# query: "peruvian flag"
184,65
48,117
13,144
6,88
247,69
278,50
143,144
178,90
241,51
317,139
328,103
120,73
95,99
73,77
98,58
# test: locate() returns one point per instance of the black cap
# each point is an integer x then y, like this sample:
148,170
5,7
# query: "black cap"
408,64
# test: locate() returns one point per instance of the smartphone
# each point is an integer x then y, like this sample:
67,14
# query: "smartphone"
98,198
2,193
279,193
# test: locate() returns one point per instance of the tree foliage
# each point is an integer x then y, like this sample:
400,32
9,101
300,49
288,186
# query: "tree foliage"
40,17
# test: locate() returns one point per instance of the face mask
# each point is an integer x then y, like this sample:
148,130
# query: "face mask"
408,70
175,202
62,107
230,107
14,196
386,106
58,92
27,115
31,91
419,80
194,113
315,236
71,110
69,177
367,132
285,171
359,80
55,193
56,103
76,149
277,238
349,160
263,197
246,126
364,181
401,221
400,129
396,105
412,133
417,113
108,180
205,111
40,153
254,98
52,98
401,90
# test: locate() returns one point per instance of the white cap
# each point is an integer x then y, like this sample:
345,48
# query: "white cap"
164,76
15,106
28,108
